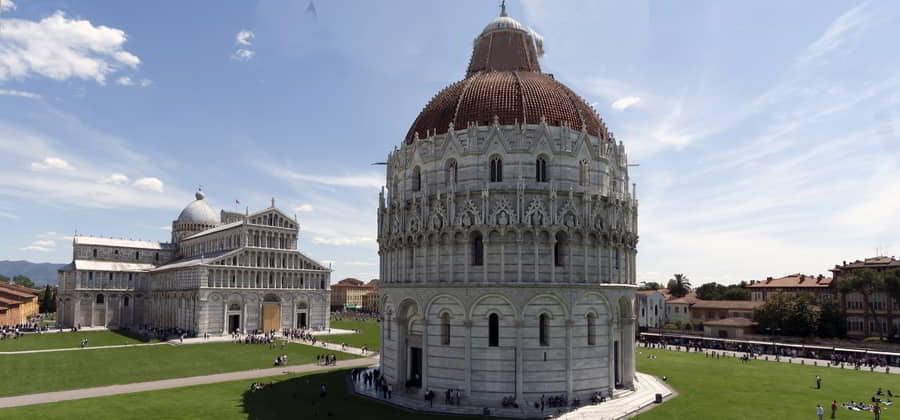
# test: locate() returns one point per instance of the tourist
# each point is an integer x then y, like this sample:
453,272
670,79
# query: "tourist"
818,382
834,407
323,391
820,412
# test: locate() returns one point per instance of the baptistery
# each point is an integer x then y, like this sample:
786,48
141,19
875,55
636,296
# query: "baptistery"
507,237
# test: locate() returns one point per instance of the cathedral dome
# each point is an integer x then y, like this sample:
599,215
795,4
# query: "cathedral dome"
198,212
504,82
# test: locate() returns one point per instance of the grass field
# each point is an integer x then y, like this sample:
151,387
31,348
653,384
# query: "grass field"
42,372
66,340
290,397
368,334
728,389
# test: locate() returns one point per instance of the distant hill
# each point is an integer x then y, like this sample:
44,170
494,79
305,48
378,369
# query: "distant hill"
41,273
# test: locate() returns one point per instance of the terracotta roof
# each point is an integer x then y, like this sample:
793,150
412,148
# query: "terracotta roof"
7,301
731,322
5,288
875,262
689,298
727,304
793,280
504,80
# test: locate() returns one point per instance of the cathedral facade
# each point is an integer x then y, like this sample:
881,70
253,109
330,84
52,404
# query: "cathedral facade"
507,237
222,272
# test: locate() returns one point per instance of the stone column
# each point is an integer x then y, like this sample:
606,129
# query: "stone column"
425,326
570,324
628,352
520,368
468,365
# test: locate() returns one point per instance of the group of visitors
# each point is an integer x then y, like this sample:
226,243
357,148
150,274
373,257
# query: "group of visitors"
509,402
879,400
374,378
329,359
280,360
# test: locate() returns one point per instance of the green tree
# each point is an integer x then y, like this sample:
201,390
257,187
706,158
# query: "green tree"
51,304
23,281
736,292
789,314
832,320
44,300
866,282
4,279
679,285
651,285
710,291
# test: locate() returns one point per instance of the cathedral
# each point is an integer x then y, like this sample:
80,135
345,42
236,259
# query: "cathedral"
222,272
507,237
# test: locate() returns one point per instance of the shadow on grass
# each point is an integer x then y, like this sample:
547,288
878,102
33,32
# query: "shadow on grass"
299,397
135,336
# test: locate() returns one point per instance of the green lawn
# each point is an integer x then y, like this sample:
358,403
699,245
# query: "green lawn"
290,397
368,334
42,372
64,340
728,389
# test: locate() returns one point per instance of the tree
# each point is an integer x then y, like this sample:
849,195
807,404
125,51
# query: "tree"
866,282
679,285
832,320
715,291
710,291
789,314
651,285
45,300
4,279
23,281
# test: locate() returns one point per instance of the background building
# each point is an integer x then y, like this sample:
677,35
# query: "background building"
883,316
350,295
222,272
17,304
819,287
507,237
651,308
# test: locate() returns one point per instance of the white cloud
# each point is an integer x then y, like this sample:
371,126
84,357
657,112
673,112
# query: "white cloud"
244,37
344,241
61,48
8,215
7,5
51,163
115,179
145,82
843,30
371,180
149,184
19,93
45,242
304,208
622,104
124,81
242,54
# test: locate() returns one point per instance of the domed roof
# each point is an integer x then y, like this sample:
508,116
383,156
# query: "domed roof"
504,81
199,212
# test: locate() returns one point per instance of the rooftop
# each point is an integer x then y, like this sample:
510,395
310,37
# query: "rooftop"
731,322
122,243
727,304
793,280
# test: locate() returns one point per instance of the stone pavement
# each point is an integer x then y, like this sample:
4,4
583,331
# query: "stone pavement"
103,391
626,403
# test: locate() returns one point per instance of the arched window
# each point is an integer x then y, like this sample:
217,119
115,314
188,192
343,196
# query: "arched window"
100,299
411,256
450,173
544,329
559,250
125,301
417,179
477,249
583,178
494,330
496,169
137,255
540,169
95,252
618,258
592,329
445,329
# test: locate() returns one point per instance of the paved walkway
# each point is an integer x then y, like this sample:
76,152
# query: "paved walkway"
782,359
625,404
194,340
103,391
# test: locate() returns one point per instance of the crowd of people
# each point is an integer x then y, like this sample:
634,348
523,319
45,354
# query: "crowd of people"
843,358
329,359
373,378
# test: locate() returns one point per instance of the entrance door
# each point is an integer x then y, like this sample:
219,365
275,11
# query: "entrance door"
301,320
616,362
234,323
415,366
271,317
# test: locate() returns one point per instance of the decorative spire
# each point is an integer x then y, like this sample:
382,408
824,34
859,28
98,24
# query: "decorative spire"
503,8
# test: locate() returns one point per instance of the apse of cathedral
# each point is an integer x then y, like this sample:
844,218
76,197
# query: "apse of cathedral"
507,236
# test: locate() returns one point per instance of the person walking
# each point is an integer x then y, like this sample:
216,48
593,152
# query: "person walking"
818,382
876,410
834,408
820,412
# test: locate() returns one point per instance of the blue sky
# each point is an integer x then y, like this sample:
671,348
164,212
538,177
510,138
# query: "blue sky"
767,132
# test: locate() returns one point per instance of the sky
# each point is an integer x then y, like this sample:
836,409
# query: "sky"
767,133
